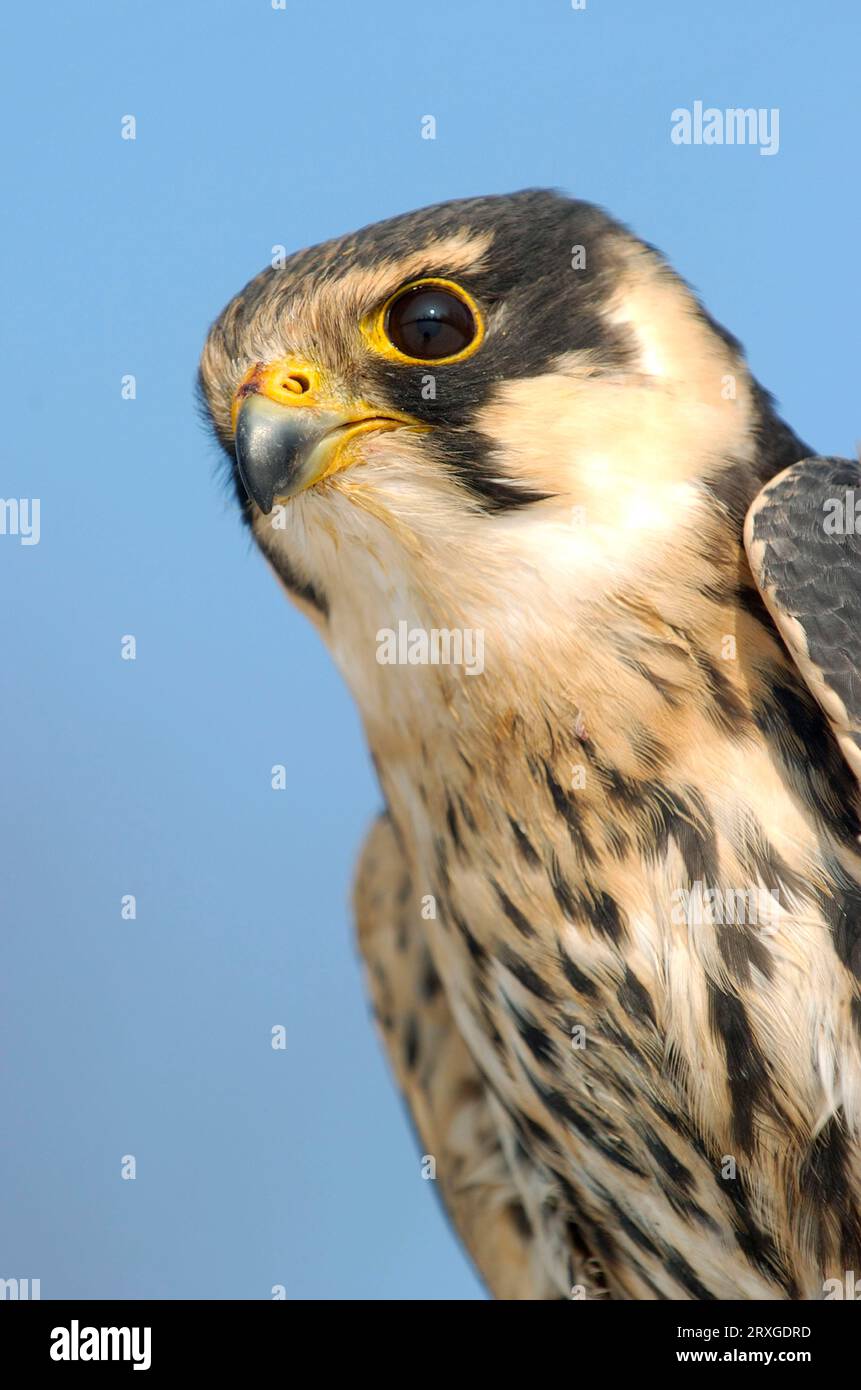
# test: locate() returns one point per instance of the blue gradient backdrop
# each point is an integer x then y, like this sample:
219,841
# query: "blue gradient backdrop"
255,127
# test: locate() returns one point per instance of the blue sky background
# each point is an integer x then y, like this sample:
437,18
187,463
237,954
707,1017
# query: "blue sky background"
151,777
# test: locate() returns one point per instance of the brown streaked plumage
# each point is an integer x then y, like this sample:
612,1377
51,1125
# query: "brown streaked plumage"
612,913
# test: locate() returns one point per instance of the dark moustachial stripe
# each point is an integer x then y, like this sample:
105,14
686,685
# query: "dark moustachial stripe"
469,457
300,587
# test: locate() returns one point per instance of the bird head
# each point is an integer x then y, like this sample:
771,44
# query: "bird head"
504,411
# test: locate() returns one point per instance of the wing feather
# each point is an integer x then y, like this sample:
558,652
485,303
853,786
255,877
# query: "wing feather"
805,555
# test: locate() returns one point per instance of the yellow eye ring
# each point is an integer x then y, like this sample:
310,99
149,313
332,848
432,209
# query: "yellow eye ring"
376,327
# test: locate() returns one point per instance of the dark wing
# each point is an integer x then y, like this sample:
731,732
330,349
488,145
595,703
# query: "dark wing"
805,554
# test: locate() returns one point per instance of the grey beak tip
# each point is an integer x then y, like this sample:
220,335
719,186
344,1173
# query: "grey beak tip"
269,442
261,498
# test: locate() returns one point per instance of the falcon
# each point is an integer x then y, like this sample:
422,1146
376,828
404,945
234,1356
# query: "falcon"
611,913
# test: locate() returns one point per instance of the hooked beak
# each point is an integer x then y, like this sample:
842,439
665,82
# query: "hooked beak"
290,432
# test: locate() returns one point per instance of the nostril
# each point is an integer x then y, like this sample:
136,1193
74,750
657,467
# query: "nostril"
297,383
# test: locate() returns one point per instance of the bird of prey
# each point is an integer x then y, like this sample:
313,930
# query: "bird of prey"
599,608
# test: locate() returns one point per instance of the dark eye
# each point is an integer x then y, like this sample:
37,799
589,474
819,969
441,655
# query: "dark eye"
430,322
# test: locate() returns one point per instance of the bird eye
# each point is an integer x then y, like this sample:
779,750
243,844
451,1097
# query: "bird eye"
430,322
